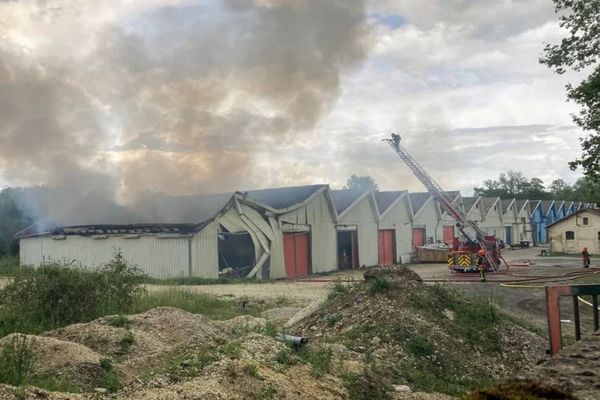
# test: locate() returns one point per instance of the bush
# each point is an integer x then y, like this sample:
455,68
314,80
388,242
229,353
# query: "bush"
16,360
9,265
418,346
56,295
378,285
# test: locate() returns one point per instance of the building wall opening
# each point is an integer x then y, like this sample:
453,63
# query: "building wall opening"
236,254
347,250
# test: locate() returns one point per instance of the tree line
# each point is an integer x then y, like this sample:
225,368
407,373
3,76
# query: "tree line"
514,184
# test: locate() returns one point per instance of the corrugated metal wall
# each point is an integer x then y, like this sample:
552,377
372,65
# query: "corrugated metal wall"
364,217
205,252
398,218
428,218
157,257
323,234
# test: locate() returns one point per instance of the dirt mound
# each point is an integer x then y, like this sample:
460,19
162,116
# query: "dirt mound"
280,315
243,323
428,337
31,393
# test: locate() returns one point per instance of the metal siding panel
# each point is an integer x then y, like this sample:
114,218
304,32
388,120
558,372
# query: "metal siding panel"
276,262
205,258
258,221
323,236
399,219
362,215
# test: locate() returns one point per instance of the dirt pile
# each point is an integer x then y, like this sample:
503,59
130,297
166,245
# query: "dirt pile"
428,337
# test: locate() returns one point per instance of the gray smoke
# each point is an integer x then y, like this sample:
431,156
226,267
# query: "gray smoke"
117,99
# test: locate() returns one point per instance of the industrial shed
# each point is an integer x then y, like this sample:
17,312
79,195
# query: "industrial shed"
395,223
447,229
524,227
510,221
264,233
576,231
303,223
492,217
357,228
426,218
474,210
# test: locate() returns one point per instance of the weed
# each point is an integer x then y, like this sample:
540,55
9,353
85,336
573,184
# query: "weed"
127,341
9,265
378,285
478,322
338,289
185,363
320,359
56,295
232,349
119,321
332,320
196,303
106,364
267,392
251,369
108,379
16,360
418,346
285,357
367,386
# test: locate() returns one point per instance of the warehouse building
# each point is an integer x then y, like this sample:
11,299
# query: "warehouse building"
491,224
524,227
357,228
426,218
510,221
263,233
447,229
395,227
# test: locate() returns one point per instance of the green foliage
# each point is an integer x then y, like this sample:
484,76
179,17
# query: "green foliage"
367,386
12,220
419,346
56,295
108,378
361,183
127,341
378,285
196,303
232,349
119,321
320,359
338,289
9,265
251,369
285,357
16,360
478,323
579,51
186,362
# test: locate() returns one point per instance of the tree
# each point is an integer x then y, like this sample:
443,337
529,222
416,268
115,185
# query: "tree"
12,220
512,184
561,190
362,183
580,51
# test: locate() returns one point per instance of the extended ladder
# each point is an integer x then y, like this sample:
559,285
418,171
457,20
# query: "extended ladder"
443,199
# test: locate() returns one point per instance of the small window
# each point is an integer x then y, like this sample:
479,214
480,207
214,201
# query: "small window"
586,221
570,235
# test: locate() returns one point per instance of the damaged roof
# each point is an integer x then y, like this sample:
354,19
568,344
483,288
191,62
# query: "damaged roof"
386,199
162,208
344,198
105,229
284,197
418,200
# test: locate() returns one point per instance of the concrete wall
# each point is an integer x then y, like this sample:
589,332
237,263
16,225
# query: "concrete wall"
427,217
398,218
585,236
364,216
156,255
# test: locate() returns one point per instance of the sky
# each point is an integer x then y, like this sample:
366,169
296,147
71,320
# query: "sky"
126,97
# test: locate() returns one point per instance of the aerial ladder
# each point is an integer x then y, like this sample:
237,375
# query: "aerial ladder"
487,243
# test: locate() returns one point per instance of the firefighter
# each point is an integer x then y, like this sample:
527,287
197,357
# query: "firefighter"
482,261
586,257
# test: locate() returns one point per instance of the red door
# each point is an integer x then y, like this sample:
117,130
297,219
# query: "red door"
296,254
386,247
448,234
418,237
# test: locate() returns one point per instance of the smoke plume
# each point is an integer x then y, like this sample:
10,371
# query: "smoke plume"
118,98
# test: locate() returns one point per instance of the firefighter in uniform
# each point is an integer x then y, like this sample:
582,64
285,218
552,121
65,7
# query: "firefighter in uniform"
482,261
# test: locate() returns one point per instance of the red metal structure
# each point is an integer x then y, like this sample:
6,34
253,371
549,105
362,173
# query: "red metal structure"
470,247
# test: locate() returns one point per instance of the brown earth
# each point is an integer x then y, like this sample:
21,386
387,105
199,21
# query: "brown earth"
167,353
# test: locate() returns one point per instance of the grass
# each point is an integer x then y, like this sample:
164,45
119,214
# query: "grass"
196,303
16,361
319,359
9,265
119,321
196,281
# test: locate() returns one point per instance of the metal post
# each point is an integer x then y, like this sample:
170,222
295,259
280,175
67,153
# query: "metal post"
576,317
595,305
